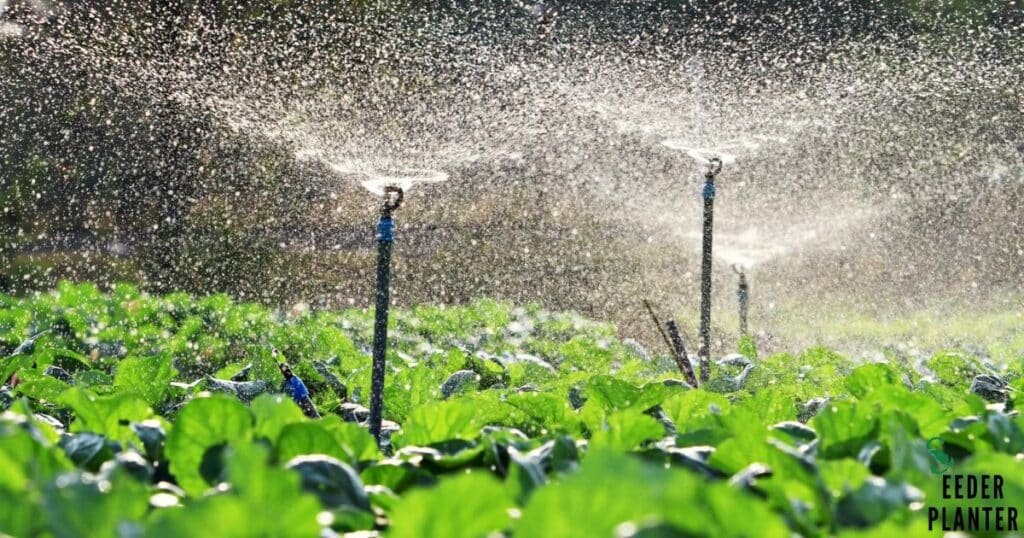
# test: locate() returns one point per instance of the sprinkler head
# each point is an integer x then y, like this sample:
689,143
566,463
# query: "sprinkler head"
714,168
393,196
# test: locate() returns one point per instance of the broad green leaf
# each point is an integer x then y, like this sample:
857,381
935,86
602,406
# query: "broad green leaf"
907,450
96,381
472,504
868,377
26,455
842,475
87,450
954,369
396,476
153,434
411,388
12,365
355,439
625,431
80,504
691,410
272,413
264,367
264,500
302,438
109,416
443,421
41,387
613,394
332,480
843,428
202,424
149,377
768,406
537,412
28,460
797,432
526,470
583,504
1005,433
18,517
266,489
22,415
795,487
930,417
821,356
733,455
229,516
874,501
585,354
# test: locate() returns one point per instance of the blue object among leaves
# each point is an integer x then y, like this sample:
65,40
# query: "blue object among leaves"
296,389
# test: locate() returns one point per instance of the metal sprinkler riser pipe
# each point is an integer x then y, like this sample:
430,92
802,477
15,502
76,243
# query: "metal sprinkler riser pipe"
743,296
385,239
704,355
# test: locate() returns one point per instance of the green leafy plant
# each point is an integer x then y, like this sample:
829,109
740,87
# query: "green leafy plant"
501,420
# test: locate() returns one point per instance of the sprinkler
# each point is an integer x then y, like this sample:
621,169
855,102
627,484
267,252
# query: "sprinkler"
743,295
714,167
296,390
385,238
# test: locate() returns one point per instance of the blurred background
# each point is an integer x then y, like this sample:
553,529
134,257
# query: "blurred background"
872,188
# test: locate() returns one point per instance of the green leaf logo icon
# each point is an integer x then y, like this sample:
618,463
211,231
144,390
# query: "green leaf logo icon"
943,462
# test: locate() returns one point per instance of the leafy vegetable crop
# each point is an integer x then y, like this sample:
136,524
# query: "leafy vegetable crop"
133,415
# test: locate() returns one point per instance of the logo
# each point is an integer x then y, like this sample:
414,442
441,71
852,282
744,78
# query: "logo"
943,461
970,502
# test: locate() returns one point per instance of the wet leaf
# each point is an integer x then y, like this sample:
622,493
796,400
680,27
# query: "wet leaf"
202,424
149,377
472,504
87,450
626,430
272,413
334,482
109,416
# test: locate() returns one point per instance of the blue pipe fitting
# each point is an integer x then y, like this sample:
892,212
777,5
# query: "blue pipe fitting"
296,389
386,230
709,190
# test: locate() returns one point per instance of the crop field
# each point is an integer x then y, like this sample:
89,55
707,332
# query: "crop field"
511,269
127,414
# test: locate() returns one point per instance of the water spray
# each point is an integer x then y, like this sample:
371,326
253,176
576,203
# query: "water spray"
385,239
714,167
743,296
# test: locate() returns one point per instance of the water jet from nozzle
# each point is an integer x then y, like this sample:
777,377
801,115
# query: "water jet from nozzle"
378,181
